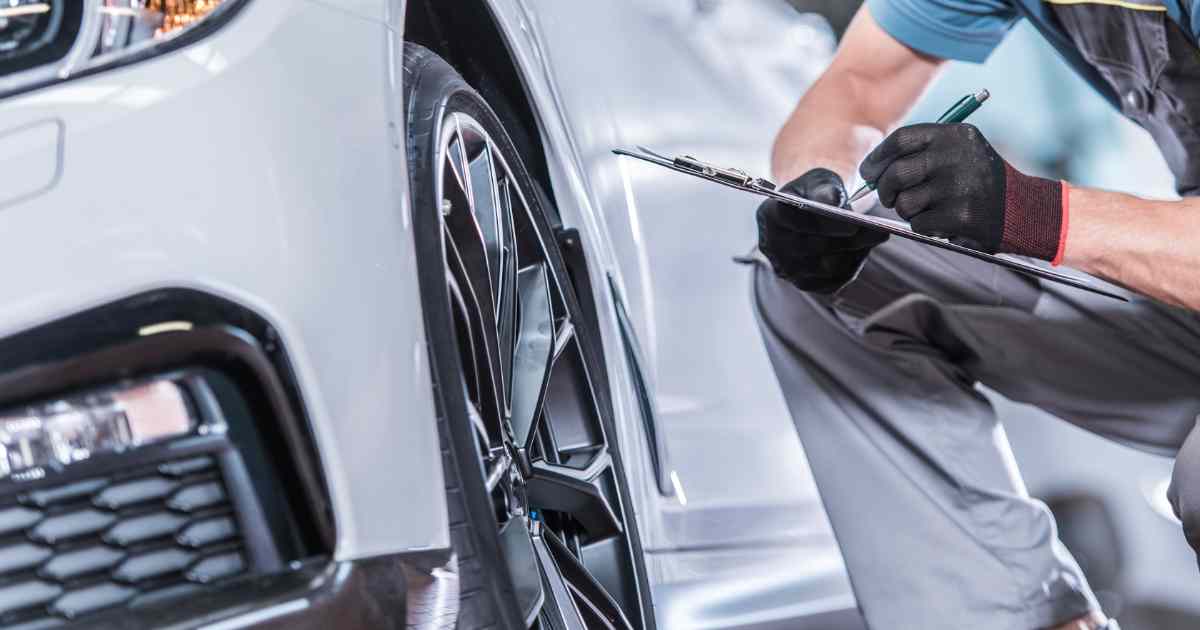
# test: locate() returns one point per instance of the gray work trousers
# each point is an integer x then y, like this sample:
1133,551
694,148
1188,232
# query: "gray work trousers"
912,463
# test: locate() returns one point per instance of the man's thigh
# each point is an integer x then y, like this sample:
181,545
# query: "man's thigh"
916,477
1127,370
882,381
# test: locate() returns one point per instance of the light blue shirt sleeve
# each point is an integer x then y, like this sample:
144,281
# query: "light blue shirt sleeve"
967,30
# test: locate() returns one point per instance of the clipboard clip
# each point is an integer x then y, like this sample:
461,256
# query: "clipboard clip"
734,176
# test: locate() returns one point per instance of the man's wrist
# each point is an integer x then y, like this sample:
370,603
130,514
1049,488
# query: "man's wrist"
1036,216
1095,228
1061,253
794,168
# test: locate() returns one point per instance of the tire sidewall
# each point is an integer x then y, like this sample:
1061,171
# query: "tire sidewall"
433,91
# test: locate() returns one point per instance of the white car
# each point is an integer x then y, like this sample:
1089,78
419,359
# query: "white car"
342,314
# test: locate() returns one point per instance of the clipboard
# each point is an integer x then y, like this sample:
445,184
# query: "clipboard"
739,179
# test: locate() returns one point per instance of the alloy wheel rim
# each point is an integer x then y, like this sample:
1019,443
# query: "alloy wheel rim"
543,449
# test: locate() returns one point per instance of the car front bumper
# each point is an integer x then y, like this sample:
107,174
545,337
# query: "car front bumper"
263,165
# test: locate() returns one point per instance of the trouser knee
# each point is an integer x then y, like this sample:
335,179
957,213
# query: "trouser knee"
918,324
1184,491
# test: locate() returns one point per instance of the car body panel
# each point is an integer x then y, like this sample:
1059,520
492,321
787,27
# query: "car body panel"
285,190
255,210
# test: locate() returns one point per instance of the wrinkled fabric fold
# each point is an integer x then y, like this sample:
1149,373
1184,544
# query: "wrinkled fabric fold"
912,463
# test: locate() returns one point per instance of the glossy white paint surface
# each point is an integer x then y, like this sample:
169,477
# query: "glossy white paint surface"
30,159
258,166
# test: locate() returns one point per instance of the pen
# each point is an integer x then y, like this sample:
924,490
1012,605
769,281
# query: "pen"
956,114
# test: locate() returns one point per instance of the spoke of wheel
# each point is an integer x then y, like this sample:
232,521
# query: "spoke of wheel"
486,208
498,471
506,320
566,332
569,417
476,250
458,159
464,230
533,355
585,587
504,197
484,352
465,337
524,567
575,492
480,425
559,611
452,158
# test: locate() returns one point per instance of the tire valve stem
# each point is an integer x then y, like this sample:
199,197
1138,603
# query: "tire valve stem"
446,207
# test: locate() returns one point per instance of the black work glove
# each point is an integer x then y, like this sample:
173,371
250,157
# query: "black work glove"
947,181
810,251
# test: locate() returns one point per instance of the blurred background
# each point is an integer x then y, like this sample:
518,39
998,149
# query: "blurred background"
1109,499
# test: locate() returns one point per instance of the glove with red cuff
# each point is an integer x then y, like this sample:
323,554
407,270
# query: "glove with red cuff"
948,182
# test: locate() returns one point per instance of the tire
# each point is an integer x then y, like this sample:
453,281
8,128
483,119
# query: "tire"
522,497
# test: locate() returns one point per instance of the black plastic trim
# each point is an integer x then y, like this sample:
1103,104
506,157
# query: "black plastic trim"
55,43
570,244
657,445
103,346
352,595
260,544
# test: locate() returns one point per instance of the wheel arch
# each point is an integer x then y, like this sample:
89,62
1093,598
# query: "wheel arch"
487,62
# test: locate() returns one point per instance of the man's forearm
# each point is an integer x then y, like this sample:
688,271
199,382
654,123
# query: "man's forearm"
826,130
1152,247
869,87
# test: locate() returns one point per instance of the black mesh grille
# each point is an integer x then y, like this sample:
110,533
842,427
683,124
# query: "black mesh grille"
133,538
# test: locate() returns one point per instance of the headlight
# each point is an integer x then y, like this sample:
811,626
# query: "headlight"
56,433
47,40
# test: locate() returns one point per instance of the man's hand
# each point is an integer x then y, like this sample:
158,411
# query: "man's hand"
947,181
810,251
